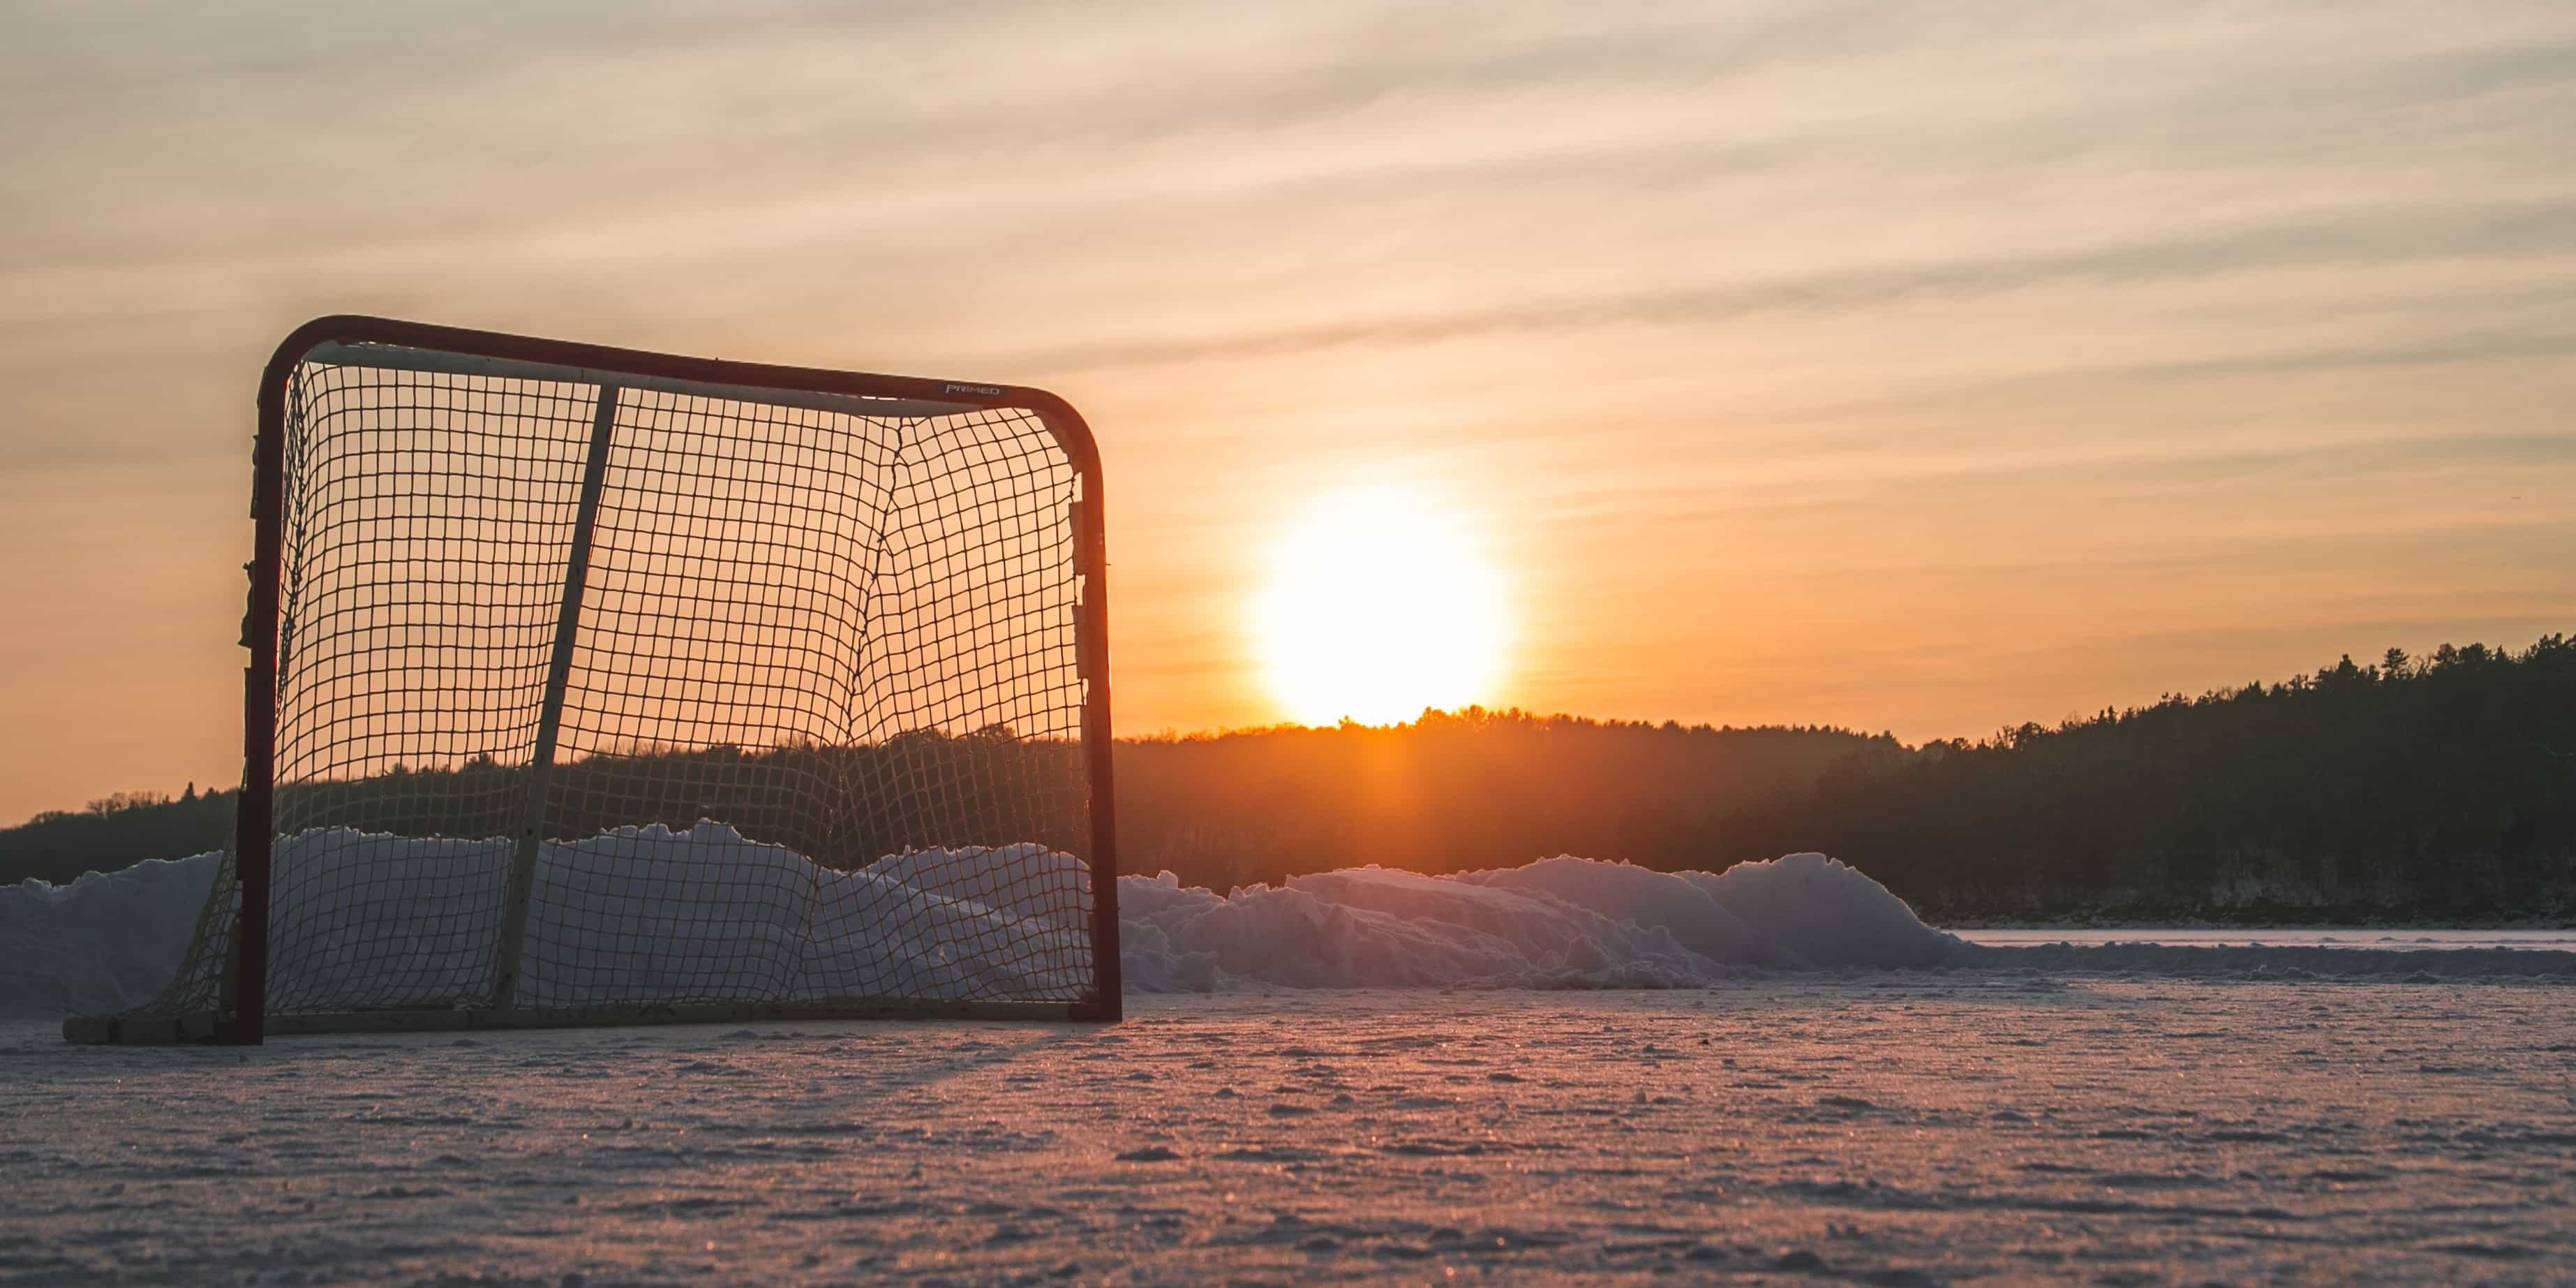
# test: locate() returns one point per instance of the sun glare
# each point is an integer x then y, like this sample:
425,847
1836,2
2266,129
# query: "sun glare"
1380,603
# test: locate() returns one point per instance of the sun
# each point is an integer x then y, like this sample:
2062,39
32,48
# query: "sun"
1380,602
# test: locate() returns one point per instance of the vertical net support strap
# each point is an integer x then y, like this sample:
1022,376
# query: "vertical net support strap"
523,860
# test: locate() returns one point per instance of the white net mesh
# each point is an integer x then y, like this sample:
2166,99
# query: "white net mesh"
820,720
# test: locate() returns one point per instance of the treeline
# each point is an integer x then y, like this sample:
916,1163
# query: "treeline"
2439,787
116,832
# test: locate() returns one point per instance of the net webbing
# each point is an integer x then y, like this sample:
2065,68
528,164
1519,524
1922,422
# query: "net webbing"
819,733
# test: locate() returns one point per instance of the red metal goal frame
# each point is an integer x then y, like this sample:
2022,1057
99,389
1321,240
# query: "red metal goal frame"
253,835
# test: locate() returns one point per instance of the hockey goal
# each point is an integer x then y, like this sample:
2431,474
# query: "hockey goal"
597,686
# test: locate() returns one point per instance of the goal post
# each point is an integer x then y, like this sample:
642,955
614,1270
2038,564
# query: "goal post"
589,685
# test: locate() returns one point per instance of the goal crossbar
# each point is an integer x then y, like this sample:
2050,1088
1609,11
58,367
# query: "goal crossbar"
399,358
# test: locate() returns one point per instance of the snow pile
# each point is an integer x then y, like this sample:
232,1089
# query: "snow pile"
1558,923
637,915
1823,911
105,943
650,915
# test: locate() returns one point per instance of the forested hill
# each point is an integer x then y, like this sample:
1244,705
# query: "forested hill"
117,832
2436,787
2441,787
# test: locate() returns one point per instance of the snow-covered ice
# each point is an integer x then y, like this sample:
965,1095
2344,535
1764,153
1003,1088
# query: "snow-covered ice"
1904,1127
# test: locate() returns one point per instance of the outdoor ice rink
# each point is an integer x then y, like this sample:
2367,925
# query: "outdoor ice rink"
1907,1127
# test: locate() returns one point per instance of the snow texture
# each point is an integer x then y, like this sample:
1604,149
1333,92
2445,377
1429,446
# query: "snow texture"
1558,923
669,904
1901,1127
651,915
107,942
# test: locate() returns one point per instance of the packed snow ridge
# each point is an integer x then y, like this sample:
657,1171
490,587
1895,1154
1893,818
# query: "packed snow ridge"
666,900
1557,923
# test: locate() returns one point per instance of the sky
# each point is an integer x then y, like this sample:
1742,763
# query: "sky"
1928,368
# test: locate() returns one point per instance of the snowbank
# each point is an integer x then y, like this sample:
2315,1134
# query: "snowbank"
366,920
706,914
105,943
1558,923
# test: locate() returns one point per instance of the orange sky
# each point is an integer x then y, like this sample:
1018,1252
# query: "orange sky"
1928,369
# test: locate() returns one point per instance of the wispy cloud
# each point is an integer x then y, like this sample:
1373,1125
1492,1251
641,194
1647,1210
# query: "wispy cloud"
2375,237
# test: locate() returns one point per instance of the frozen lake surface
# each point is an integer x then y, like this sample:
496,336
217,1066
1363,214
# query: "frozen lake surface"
1900,1127
2390,938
